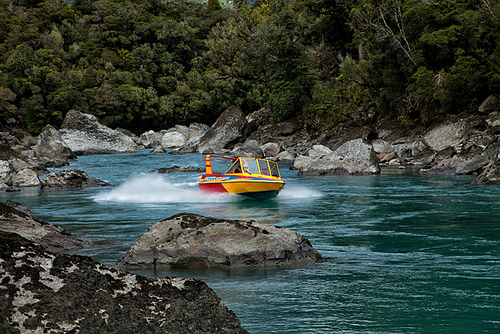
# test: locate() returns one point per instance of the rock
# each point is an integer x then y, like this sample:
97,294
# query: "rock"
285,158
381,146
302,162
43,292
25,177
173,140
491,104
387,157
5,171
178,169
270,150
197,130
250,149
353,157
150,139
490,175
192,241
16,218
459,164
445,135
72,178
231,127
158,149
84,135
182,129
318,151
257,119
50,144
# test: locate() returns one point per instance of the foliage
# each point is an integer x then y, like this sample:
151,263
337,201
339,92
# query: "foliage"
149,64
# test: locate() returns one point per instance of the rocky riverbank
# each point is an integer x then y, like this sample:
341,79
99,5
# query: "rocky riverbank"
456,146
43,292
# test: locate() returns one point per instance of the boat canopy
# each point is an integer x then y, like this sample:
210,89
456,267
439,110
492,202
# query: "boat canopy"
241,166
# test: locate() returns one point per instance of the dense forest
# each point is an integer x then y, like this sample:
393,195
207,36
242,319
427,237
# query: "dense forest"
150,64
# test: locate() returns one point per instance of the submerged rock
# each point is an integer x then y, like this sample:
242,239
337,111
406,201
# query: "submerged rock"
189,241
42,292
72,178
178,169
16,218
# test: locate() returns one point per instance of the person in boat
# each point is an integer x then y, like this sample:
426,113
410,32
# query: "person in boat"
245,166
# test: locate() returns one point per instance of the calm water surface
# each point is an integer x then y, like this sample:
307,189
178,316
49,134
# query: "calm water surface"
403,253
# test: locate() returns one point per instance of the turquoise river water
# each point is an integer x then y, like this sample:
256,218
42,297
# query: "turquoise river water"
403,252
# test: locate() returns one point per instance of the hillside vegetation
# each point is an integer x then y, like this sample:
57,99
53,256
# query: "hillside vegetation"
149,64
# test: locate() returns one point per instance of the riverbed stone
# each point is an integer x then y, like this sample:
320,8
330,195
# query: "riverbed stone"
270,149
285,157
193,241
173,139
231,127
250,148
445,135
72,178
50,144
16,218
353,157
490,175
25,177
84,135
42,292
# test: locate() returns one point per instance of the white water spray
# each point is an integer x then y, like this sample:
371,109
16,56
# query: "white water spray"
154,188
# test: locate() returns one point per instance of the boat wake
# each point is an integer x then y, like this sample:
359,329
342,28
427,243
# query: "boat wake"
154,188
298,192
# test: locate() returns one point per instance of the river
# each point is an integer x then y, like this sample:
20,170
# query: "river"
403,252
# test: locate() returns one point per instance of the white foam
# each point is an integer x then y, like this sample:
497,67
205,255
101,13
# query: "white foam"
291,192
154,188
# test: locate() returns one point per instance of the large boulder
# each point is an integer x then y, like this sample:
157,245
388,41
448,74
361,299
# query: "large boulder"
42,292
72,178
173,139
353,157
84,135
446,135
250,148
231,127
16,218
150,139
189,240
50,144
25,177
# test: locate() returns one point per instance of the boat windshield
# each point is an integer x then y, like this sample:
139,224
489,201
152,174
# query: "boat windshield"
264,168
235,168
220,164
274,169
250,166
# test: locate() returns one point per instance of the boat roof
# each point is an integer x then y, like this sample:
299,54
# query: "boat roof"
242,165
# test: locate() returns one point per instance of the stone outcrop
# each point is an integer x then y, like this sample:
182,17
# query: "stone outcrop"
43,292
250,148
50,144
190,241
490,175
353,157
72,178
230,128
173,139
84,135
16,218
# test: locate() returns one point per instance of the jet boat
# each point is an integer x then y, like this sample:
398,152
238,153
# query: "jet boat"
253,177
